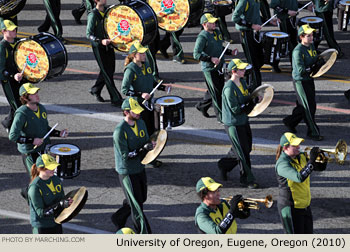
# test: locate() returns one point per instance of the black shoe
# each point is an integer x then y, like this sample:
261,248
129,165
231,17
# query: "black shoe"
41,29
347,95
290,128
276,69
117,221
340,55
164,53
98,97
250,185
76,17
204,113
315,138
117,103
24,193
156,163
179,60
223,174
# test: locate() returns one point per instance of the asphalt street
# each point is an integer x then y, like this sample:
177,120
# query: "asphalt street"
192,150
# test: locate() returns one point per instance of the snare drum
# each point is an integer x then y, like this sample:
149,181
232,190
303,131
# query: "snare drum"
316,23
343,15
170,111
128,22
43,55
222,7
173,15
275,44
68,156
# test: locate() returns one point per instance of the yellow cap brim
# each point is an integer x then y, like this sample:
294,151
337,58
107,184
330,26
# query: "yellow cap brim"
242,65
33,90
212,20
296,141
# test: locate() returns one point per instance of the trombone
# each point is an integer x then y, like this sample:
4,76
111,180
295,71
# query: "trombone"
339,152
252,203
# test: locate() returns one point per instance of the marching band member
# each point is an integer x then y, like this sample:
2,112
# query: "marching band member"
130,140
247,19
168,39
304,63
104,55
236,106
215,215
53,10
46,196
293,169
9,75
30,125
324,10
138,83
208,49
286,11
265,10
87,5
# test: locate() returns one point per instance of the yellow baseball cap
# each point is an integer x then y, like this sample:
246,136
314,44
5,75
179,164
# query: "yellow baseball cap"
290,139
132,105
8,25
305,29
237,64
208,18
207,182
46,161
137,47
28,88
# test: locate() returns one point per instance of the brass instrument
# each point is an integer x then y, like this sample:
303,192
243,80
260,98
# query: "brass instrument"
340,152
9,8
252,203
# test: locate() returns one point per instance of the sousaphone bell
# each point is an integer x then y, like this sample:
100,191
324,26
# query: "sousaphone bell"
325,62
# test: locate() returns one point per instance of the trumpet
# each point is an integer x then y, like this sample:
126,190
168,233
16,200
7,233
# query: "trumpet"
252,203
339,152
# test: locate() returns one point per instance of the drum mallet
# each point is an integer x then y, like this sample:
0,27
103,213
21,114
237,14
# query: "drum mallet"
154,89
48,133
24,67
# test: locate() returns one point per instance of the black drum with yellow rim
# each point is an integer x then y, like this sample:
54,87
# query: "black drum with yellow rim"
42,56
316,23
173,15
128,22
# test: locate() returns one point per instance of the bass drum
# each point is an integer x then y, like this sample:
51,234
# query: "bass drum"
42,56
173,15
196,11
10,8
128,22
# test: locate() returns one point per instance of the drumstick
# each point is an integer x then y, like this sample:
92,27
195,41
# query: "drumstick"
269,20
223,52
306,5
115,36
154,89
48,133
24,67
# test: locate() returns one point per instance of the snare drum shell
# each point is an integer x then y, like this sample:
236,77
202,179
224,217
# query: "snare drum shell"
69,164
196,11
173,113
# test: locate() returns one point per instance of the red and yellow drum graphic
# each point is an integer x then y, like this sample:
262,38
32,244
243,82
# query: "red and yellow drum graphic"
172,15
32,56
123,25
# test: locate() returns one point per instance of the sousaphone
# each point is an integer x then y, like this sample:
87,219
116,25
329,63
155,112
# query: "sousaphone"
326,61
79,197
266,92
160,137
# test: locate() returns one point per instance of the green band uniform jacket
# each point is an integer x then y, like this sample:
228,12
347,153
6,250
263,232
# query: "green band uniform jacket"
43,194
293,192
208,219
303,58
232,99
247,13
285,5
125,141
209,44
27,124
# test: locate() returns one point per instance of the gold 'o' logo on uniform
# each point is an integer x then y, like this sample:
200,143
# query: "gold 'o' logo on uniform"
314,53
220,36
58,188
142,133
149,70
44,115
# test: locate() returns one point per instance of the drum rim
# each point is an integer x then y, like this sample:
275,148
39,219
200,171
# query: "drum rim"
343,2
47,54
67,153
181,99
284,34
143,24
314,17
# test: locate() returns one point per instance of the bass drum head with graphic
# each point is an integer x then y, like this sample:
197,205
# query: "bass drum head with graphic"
172,15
